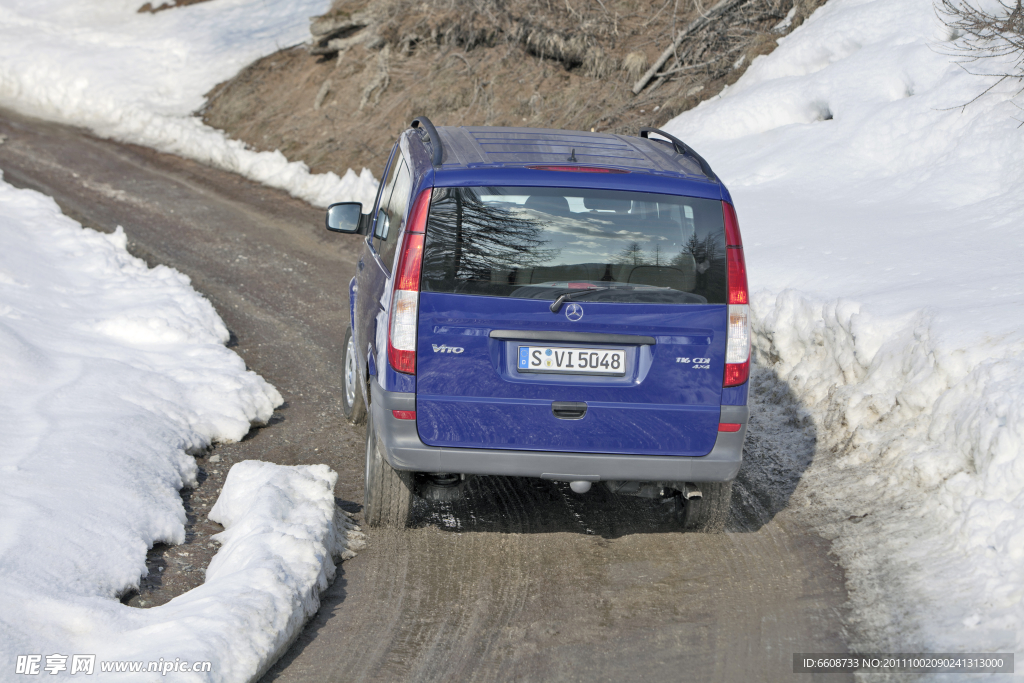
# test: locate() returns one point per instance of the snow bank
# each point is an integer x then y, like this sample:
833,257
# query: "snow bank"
884,224
112,373
137,77
282,532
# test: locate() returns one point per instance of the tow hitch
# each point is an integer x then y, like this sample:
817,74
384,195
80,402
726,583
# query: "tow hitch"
579,486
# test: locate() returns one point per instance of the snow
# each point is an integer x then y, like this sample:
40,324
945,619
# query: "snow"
113,373
883,226
138,77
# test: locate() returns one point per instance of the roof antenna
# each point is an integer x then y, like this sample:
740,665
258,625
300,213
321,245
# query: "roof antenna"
572,157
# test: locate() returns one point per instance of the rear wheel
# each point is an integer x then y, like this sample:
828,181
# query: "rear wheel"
387,498
351,395
709,512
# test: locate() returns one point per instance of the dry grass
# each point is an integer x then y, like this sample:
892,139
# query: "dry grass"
635,65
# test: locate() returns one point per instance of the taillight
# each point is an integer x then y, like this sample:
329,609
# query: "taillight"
737,350
406,294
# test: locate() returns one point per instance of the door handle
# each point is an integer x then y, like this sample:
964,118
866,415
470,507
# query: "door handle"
568,410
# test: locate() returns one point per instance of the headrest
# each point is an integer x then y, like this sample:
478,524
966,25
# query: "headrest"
606,204
547,204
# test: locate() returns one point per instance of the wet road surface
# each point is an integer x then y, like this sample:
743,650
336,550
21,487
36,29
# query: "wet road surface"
523,580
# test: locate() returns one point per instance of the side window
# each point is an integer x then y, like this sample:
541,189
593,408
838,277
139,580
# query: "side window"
381,226
394,214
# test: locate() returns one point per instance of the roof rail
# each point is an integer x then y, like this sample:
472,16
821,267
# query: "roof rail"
435,139
681,148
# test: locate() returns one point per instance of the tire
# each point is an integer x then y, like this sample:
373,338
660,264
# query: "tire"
388,495
710,512
351,395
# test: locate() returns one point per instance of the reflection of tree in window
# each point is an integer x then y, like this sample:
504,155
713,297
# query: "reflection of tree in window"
658,258
704,251
505,241
470,237
632,254
706,255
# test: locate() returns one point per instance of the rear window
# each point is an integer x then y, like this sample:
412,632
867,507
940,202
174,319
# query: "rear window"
538,243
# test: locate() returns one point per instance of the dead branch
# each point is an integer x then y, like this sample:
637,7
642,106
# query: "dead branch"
994,33
695,25
985,33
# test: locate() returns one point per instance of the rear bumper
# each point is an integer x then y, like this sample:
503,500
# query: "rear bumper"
405,451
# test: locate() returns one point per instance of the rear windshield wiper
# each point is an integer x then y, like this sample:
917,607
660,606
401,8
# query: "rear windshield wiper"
568,295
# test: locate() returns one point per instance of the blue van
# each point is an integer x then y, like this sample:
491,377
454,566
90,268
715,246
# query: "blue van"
545,303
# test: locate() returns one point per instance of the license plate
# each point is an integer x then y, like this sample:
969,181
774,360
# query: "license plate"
557,359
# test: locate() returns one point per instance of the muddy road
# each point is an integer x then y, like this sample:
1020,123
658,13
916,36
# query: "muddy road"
525,580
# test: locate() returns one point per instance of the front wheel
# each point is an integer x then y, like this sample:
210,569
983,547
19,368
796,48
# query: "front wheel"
710,512
388,496
351,395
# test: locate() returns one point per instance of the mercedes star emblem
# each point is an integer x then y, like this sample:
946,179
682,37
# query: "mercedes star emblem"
574,312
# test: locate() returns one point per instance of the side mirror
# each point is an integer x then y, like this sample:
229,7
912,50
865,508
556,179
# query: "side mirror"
345,217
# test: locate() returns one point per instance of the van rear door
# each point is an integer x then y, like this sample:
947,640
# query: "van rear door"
571,320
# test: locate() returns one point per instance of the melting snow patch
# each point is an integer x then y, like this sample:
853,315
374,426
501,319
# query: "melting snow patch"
787,21
112,373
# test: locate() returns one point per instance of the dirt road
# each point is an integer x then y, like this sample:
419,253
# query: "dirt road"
525,580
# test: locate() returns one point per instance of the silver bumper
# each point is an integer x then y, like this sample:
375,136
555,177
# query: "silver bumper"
405,451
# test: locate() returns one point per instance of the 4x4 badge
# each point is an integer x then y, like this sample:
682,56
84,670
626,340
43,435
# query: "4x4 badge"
574,312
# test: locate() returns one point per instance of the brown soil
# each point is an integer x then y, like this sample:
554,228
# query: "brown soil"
148,7
176,569
340,101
